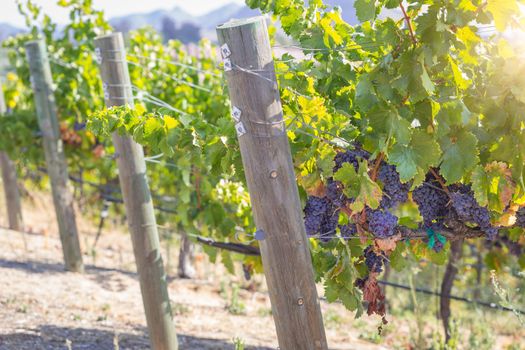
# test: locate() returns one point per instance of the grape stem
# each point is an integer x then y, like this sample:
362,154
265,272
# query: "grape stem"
440,180
409,23
377,164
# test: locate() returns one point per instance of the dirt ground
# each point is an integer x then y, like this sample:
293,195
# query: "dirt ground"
43,307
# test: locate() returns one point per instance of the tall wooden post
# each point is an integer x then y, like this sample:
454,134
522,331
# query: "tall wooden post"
271,182
54,152
137,198
12,194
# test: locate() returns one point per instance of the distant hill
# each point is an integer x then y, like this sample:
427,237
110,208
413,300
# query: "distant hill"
177,23
153,19
7,30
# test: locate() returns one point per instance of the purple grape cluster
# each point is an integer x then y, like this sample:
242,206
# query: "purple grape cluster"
381,224
348,230
373,261
334,192
431,200
520,217
320,217
394,191
351,156
469,210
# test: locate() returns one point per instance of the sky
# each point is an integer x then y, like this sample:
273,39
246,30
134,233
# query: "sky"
112,8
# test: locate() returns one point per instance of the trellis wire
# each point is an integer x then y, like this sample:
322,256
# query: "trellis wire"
177,64
180,81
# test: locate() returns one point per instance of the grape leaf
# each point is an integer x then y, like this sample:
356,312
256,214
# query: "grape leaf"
502,11
480,185
358,185
365,10
422,153
460,155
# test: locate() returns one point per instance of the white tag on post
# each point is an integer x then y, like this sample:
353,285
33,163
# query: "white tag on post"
227,65
106,92
236,113
98,55
239,127
225,51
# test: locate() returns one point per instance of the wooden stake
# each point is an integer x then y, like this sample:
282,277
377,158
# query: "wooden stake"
271,181
137,198
54,151
12,194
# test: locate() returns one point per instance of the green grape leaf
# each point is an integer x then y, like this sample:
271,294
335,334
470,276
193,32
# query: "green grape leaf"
422,152
358,185
480,185
460,155
397,260
365,9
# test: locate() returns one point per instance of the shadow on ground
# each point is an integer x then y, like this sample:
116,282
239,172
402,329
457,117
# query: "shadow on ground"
59,338
49,268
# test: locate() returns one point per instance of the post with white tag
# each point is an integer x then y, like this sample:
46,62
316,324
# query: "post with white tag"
54,152
137,198
266,155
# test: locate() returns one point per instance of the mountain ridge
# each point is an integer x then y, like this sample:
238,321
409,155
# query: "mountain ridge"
176,22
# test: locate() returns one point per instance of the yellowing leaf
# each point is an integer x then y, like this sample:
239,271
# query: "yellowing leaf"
461,82
311,107
11,76
330,32
502,11
170,122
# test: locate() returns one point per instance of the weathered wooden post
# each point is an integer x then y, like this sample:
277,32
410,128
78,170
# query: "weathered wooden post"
267,161
137,199
12,194
54,152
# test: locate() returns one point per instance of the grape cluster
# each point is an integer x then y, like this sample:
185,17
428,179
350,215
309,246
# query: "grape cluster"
394,191
351,156
373,261
381,223
348,230
520,217
431,200
469,210
321,217
334,192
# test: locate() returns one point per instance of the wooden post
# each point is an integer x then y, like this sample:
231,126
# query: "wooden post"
137,198
272,185
185,268
11,192
54,152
